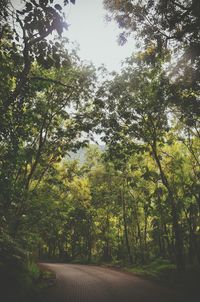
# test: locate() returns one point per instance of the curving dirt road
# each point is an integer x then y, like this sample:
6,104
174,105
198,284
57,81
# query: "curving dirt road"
82,283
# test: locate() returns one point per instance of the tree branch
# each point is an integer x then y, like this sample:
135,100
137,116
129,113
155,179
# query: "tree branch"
50,80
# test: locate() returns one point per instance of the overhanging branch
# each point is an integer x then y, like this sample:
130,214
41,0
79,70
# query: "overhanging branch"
51,81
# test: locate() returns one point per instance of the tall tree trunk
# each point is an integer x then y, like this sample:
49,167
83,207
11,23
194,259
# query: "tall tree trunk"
125,227
89,243
194,251
168,244
139,234
146,253
180,261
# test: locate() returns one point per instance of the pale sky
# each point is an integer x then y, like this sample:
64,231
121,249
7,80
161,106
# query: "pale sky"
97,38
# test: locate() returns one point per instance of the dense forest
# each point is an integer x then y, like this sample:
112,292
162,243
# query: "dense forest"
136,197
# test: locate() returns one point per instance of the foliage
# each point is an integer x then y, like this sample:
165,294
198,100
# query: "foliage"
166,28
158,268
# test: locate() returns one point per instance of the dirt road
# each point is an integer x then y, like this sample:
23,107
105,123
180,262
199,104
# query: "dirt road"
82,283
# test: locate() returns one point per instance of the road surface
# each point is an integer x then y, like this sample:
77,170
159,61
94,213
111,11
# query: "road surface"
82,283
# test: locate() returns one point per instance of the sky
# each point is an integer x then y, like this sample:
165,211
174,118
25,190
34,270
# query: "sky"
96,37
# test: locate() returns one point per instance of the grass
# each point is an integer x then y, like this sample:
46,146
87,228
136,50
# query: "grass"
33,270
157,269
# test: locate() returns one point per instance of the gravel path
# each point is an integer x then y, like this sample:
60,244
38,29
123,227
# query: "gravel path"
82,283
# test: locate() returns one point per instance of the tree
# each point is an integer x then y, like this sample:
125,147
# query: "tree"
135,109
44,92
171,26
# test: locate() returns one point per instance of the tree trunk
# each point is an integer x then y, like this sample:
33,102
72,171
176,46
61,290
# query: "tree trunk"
180,261
125,228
